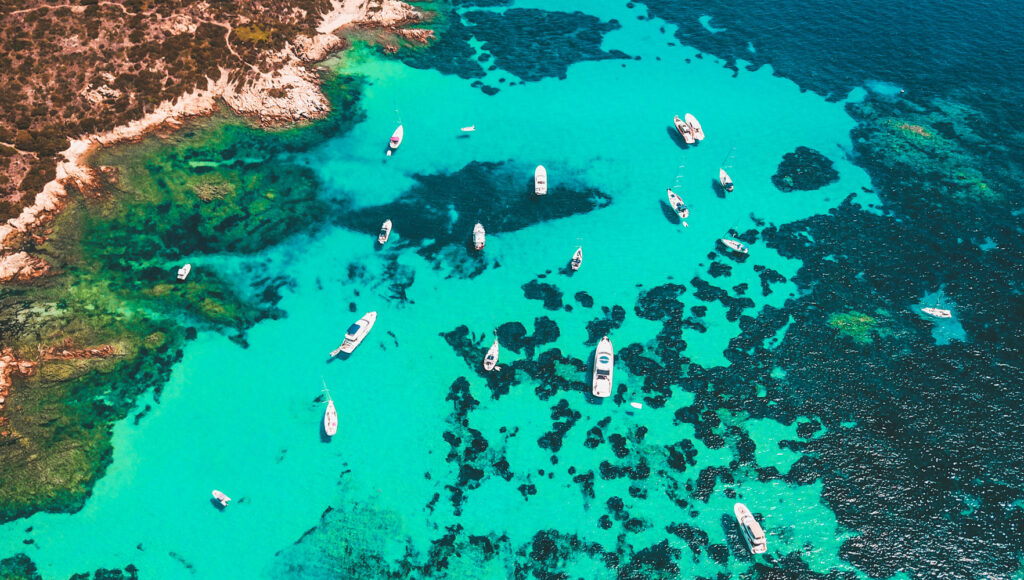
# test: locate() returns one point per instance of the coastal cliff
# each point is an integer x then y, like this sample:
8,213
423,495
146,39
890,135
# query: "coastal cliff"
76,352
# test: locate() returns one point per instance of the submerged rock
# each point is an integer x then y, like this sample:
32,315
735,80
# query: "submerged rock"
804,169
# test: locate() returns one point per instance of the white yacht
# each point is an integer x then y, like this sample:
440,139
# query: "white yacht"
183,271
385,232
220,497
724,179
330,415
604,360
492,356
396,139
751,530
479,236
469,129
677,205
540,180
356,333
698,132
684,130
938,312
734,245
577,259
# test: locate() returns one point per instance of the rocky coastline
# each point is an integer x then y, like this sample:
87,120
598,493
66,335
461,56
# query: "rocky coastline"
283,92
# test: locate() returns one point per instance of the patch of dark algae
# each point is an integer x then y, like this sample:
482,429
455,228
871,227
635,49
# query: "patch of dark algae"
804,169
21,567
205,190
423,215
512,39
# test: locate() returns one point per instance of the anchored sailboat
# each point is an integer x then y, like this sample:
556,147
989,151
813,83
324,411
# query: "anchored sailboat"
331,414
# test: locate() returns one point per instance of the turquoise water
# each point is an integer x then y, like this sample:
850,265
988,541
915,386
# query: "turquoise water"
246,420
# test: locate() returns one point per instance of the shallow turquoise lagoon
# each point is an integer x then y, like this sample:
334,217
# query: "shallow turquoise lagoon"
246,420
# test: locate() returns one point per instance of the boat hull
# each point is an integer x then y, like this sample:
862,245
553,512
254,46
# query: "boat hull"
183,272
937,312
604,363
695,128
734,246
330,419
385,232
491,358
677,205
751,531
396,138
540,181
479,237
724,179
354,339
684,130
222,499
577,260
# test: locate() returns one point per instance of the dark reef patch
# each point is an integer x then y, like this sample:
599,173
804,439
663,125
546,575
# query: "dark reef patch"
426,210
516,36
548,293
804,169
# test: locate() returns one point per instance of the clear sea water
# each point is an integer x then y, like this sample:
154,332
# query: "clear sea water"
247,420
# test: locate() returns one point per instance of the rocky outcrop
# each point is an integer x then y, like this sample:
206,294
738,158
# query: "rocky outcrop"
288,93
9,365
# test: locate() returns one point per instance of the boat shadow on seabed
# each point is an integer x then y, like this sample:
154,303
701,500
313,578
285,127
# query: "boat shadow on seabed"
676,137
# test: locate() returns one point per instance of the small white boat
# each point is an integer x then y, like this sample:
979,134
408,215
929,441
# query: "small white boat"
492,356
183,271
677,205
750,530
540,180
356,333
724,179
479,236
698,132
684,130
385,232
469,129
604,360
577,260
734,245
636,405
220,497
937,312
330,415
396,139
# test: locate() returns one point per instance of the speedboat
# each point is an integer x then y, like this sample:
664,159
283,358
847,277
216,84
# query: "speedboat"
677,205
479,236
220,497
698,132
396,139
385,232
492,356
577,259
937,312
183,271
684,130
724,179
356,333
330,415
540,181
604,360
734,245
469,129
751,530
